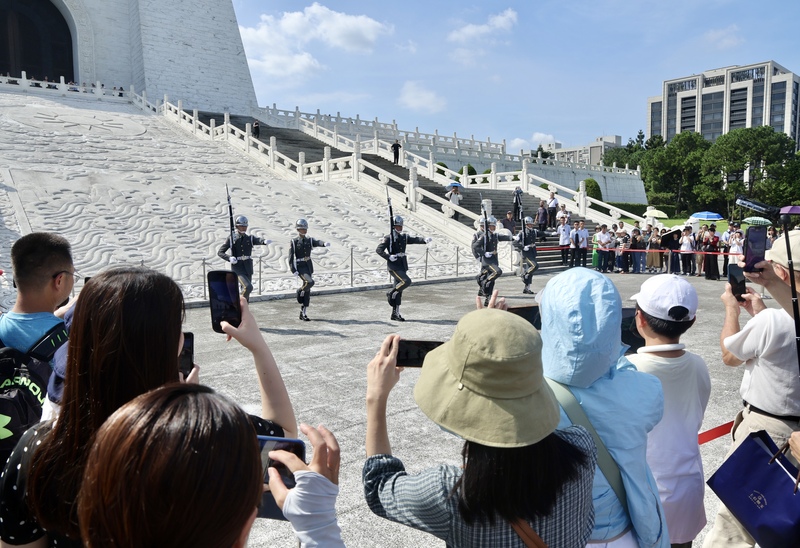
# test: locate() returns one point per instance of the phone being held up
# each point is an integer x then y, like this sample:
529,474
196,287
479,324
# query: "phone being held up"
223,298
269,508
737,280
186,357
412,353
755,247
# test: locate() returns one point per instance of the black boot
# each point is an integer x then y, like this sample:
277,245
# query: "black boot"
396,316
303,314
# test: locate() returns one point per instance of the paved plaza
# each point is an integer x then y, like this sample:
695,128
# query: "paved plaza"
323,363
126,187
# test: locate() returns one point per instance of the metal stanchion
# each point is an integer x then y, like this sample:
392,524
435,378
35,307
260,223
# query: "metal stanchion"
456,261
260,277
426,263
351,266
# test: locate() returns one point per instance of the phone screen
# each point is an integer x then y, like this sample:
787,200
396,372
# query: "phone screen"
223,296
412,353
530,313
737,280
269,443
186,357
630,334
755,247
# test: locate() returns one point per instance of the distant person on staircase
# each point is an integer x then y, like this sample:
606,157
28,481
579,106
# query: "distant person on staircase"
301,265
241,251
552,208
396,146
455,197
541,219
517,203
256,130
393,249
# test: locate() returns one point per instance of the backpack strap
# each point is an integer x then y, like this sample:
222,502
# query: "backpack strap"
45,348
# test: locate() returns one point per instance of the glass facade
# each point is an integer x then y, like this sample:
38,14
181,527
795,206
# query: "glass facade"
757,102
672,116
655,118
688,113
711,123
778,98
738,108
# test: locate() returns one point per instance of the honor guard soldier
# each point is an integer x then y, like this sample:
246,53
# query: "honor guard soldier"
240,256
525,243
484,248
301,265
393,249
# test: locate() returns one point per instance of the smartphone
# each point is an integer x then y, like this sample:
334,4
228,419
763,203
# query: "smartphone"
223,298
412,353
630,334
269,443
86,279
755,247
528,312
186,357
737,280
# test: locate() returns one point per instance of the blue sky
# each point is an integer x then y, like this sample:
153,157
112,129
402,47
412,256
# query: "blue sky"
524,71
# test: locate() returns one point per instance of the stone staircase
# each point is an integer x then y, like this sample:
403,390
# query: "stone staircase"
291,142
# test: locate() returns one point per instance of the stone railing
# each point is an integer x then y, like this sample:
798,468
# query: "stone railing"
374,178
97,90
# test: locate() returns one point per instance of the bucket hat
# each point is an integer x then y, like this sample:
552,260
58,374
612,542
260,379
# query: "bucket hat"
486,385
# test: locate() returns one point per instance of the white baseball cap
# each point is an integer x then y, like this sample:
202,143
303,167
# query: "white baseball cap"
660,294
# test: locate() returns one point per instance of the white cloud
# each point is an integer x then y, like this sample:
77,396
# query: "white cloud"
467,57
278,47
414,96
531,143
409,47
496,24
723,39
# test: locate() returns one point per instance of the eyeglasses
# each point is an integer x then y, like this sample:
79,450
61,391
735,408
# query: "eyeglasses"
74,274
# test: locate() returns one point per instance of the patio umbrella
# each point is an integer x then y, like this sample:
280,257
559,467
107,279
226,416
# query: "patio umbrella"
656,213
707,216
757,221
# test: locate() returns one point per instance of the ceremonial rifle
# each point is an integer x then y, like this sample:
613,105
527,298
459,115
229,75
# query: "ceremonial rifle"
391,222
230,214
485,224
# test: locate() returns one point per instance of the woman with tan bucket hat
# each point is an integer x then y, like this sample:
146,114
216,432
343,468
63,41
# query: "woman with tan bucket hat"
484,385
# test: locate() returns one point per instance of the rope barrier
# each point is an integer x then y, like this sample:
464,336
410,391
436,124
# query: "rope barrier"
714,433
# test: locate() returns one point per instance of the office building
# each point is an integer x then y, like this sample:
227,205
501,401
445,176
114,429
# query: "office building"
591,154
717,101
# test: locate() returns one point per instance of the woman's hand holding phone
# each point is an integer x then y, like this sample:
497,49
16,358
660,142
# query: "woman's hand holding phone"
247,333
325,462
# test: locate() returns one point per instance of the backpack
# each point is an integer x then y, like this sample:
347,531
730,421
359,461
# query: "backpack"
23,386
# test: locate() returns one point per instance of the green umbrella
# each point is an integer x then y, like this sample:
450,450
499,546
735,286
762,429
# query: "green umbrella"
757,221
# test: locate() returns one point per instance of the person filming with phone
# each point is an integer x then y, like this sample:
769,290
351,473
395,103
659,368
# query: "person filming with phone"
520,476
766,347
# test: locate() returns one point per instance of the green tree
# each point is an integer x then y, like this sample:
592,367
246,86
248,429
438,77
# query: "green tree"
747,161
654,142
543,152
439,171
678,168
593,189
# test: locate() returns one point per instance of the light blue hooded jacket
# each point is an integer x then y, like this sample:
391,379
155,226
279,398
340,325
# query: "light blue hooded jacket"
581,314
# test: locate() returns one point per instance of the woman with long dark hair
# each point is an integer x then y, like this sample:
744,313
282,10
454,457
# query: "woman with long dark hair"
124,341
485,385
163,445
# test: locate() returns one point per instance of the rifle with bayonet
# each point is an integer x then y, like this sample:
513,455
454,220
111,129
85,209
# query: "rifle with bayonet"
230,215
391,223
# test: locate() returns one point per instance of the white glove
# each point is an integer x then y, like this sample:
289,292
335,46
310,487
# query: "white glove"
327,244
267,242
428,240
234,260
526,248
488,254
296,273
393,258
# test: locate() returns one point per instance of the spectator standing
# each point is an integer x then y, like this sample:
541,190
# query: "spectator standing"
604,249
396,146
726,246
698,245
575,238
583,242
563,213
541,219
770,386
666,307
653,251
595,248
44,275
687,248
563,231
455,197
256,129
638,245
552,207
484,385
711,249
582,349
509,223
